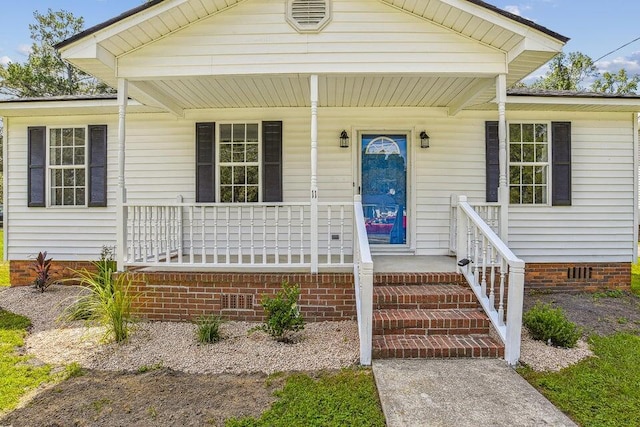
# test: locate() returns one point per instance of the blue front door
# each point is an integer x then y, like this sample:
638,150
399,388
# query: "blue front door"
384,187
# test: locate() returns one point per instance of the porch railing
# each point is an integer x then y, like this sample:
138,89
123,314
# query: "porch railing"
249,235
494,273
363,281
489,212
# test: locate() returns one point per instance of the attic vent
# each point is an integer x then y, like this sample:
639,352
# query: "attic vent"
308,15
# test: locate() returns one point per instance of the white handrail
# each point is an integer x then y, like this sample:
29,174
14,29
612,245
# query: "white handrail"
489,266
363,282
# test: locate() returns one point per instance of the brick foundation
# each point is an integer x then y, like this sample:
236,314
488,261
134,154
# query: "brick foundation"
183,296
578,277
22,273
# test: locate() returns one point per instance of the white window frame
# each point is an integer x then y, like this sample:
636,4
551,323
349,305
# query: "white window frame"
50,168
548,163
219,164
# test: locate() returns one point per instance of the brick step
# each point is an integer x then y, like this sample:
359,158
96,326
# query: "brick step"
405,279
435,346
423,297
429,322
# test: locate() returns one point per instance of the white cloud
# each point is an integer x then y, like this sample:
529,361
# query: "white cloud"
631,63
4,60
24,49
513,9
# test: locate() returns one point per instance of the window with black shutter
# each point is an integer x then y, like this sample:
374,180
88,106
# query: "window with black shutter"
97,174
205,162
37,155
561,168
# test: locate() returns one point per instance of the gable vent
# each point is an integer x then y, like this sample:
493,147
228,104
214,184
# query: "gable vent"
308,15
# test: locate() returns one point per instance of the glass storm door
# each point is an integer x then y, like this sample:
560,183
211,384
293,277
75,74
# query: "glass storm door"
384,187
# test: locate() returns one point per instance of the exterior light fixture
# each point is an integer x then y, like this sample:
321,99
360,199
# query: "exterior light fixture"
344,139
424,140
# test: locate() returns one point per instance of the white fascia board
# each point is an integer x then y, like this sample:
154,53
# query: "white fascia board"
570,100
61,107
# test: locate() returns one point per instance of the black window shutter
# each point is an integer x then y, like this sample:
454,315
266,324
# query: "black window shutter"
97,150
272,161
37,155
492,154
561,163
205,162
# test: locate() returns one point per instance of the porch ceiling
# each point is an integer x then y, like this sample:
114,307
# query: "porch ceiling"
334,91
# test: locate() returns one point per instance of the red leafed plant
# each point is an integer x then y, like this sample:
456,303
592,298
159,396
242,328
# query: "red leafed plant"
41,266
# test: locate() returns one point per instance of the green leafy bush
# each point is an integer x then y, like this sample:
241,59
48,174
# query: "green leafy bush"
283,313
208,329
546,323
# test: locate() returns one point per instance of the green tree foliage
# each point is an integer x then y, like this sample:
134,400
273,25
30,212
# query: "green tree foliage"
618,83
45,73
567,72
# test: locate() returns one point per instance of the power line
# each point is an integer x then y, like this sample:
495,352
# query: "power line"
617,49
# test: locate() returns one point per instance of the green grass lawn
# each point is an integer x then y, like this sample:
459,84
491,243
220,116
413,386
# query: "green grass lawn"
635,278
600,391
4,266
348,398
17,376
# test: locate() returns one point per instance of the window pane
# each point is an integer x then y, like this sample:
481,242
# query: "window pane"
56,178
515,135
225,133
67,156
541,133
80,177
225,175
252,194
68,197
239,194
515,152
239,175
79,156
238,133
252,153
527,174
541,175
225,153
528,152
527,133
514,175
252,132
226,195
69,177
54,156
541,153
540,194
252,175
79,137
56,197
238,153
527,194
67,137
55,137
514,195
80,199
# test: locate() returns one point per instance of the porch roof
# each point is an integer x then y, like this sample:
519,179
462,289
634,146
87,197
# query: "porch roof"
524,46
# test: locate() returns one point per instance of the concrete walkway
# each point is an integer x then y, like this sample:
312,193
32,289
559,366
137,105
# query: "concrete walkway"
460,392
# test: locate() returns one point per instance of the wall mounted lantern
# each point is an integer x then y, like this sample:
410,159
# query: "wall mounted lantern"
424,140
344,139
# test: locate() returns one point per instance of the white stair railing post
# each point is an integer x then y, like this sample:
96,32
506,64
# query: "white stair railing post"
462,251
514,312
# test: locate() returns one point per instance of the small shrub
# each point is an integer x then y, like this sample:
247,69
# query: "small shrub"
73,370
546,323
283,313
41,266
208,329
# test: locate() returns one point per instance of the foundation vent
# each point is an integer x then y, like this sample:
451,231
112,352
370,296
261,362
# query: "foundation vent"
308,15
579,273
237,302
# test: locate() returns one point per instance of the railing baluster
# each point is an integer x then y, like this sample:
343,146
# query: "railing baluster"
203,233
289,235
168,234
277,237
503,272
180,234
264,234
342,219
228,230
484,266
156,233
214,209
253,239
492,257
301,234
329,213
191,245
239,210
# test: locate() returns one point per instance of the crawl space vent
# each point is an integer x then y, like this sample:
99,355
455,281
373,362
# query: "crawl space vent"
579,273
308,15
237,302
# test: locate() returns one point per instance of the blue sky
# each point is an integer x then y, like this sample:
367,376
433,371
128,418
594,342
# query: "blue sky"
594,26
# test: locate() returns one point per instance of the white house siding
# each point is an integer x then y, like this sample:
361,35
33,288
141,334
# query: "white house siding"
254,38
67,233
598,227
160,166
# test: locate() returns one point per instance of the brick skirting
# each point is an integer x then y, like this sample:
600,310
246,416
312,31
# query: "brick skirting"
22,273
578,277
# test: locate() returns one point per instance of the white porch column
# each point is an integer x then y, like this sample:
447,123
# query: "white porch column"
503,188
121,195
314,173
